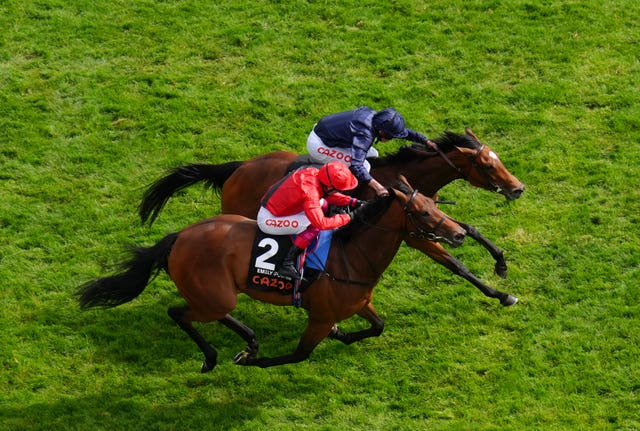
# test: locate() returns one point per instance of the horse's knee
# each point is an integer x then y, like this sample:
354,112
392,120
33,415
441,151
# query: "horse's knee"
378,327
177,314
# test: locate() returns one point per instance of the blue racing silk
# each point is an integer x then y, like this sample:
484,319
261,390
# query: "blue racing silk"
353,129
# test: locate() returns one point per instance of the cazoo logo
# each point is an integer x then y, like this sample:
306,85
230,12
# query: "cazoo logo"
282,223
335,154
271,282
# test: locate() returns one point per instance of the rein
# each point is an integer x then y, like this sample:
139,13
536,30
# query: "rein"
418,233
441,153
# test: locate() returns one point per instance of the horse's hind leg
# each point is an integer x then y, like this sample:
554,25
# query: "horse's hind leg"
179,314
368,313
312,335
247,335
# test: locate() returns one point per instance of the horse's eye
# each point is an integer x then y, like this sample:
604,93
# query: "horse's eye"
424,214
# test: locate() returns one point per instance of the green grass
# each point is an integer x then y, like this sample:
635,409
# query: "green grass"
98,99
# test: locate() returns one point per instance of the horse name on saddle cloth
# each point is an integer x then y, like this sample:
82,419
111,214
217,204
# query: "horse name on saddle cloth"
269,251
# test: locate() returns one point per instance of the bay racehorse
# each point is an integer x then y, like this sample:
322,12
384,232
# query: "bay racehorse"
208,262
429,168
243,183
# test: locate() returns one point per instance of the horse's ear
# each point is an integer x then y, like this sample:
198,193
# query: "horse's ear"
404,181
398,194
469,132
403,185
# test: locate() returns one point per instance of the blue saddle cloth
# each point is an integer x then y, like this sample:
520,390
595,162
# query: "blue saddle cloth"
318,251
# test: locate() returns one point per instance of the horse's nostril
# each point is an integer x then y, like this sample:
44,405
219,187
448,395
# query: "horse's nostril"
516,193
459,237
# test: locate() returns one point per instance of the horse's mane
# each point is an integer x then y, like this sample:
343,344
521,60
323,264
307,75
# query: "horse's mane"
447,142
370,213
367,215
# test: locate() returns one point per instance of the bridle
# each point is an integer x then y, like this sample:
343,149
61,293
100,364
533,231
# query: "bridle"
418,232
474,164
421,233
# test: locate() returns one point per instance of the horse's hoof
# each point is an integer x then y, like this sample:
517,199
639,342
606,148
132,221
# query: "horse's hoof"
508,300
500,270
242,358
207,365
335,332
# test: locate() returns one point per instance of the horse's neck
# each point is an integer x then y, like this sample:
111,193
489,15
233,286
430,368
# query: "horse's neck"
428,174
370,251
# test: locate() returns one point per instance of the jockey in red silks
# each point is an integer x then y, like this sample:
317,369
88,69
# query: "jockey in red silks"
295,205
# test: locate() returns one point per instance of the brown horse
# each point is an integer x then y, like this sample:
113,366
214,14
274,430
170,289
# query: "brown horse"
208,262
452,156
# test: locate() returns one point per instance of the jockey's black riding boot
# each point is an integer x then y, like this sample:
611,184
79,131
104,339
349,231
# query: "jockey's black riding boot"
289,267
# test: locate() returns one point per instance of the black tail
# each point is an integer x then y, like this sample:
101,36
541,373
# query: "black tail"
158,193
127,285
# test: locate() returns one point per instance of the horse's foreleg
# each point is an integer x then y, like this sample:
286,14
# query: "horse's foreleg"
311,337
368,313
179,314
501,265
505,298
438,253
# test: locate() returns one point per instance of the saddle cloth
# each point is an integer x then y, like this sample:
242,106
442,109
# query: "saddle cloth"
269,251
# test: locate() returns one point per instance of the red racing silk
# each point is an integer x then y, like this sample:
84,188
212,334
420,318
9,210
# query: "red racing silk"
302,191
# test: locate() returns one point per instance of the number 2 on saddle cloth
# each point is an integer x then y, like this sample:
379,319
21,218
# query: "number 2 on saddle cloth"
269,250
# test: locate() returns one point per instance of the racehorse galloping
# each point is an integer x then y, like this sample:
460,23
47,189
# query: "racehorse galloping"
208,262
454,156
243,184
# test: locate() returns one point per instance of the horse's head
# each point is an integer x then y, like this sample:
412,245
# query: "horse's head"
481,166
424,219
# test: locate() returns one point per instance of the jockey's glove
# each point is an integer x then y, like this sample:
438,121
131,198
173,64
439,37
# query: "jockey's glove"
356,203
353,213
421,138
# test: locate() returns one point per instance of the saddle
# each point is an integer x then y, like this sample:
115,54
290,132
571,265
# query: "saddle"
303,160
